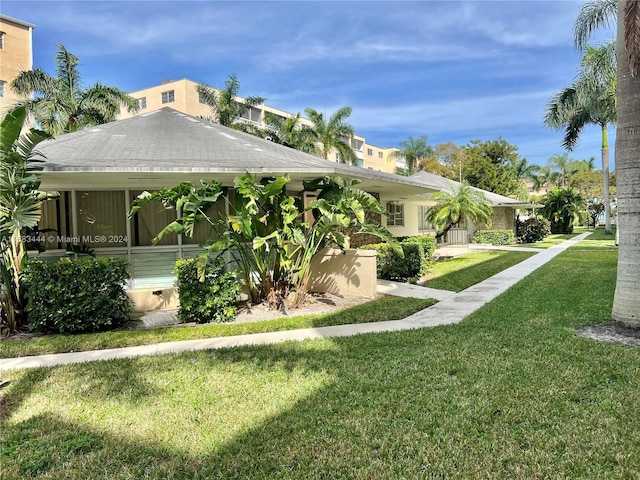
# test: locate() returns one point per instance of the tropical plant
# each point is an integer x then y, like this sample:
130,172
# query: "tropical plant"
593,15
60,104
333,133
594,209
591,99
561,208
413,151
464,204
266,234
289,132
20,206
560,164
226,107
626,302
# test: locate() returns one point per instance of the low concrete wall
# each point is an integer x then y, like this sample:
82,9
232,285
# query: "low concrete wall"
351,273
149,299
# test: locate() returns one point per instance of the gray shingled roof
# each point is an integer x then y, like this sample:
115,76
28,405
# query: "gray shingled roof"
169,146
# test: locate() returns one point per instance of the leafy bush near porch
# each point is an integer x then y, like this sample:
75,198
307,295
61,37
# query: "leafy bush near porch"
428,242
73,296
212,300
414,263
494,237
533,229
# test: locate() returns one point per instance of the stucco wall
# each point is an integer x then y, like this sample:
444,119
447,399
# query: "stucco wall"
351,273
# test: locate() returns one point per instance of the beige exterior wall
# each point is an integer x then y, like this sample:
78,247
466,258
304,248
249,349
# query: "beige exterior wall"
186,100
378,158
15,55
352,273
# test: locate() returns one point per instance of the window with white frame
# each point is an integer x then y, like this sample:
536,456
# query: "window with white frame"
370,151
1,40
168,97
395,214
201,98
423,224
2,88
380,155
141,103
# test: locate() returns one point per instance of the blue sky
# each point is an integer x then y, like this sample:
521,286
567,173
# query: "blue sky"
452,70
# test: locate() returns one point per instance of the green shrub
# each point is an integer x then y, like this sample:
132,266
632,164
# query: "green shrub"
533,229
213,300
73,296
416,261
494,237
428,242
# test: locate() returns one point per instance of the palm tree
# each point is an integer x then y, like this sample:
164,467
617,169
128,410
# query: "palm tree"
467,203
60,104
20,203
593,15
288,132
560,164
561,207
226,107
589,100
413,151
334,133
626,302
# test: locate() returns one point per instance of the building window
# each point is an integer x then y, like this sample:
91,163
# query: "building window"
141,103
422,222
102,219
2,87
380,155
395,214
1,40
369,151
201,98
168,97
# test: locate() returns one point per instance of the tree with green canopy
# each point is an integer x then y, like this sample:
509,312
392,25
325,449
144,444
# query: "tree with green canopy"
462,205
333,133
288,131
561,207
226,106
60,104
413,151
590,100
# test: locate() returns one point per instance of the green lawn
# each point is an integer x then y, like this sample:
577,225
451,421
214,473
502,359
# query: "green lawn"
511,392
380,309
459,273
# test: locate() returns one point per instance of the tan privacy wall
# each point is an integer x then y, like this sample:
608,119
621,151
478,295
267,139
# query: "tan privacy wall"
149,299
352,273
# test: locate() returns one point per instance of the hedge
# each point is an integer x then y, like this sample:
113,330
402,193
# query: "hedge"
494,237
213,300
415,262
73,296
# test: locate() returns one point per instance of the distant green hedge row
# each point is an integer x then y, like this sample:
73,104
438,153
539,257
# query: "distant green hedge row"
415,263
494,237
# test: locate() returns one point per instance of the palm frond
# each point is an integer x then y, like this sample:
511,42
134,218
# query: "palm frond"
632,35
593,15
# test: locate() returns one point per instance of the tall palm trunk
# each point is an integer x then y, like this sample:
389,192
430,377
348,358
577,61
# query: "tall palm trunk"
605,180
626,302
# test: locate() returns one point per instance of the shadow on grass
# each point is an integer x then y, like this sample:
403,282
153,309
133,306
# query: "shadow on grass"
510,392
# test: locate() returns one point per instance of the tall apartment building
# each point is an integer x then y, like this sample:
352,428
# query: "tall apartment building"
183,96
16,54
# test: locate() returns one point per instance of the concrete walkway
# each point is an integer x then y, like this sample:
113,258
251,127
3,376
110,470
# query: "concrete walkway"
453,308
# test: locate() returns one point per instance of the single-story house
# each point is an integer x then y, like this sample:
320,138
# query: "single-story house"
99,171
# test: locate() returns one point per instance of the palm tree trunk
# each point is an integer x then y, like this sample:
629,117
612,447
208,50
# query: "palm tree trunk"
626,302
605,180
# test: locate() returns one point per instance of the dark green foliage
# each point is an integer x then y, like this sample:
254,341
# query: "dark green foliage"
494,237
561,208
533,229
428,242
414,263
212,300
73,296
